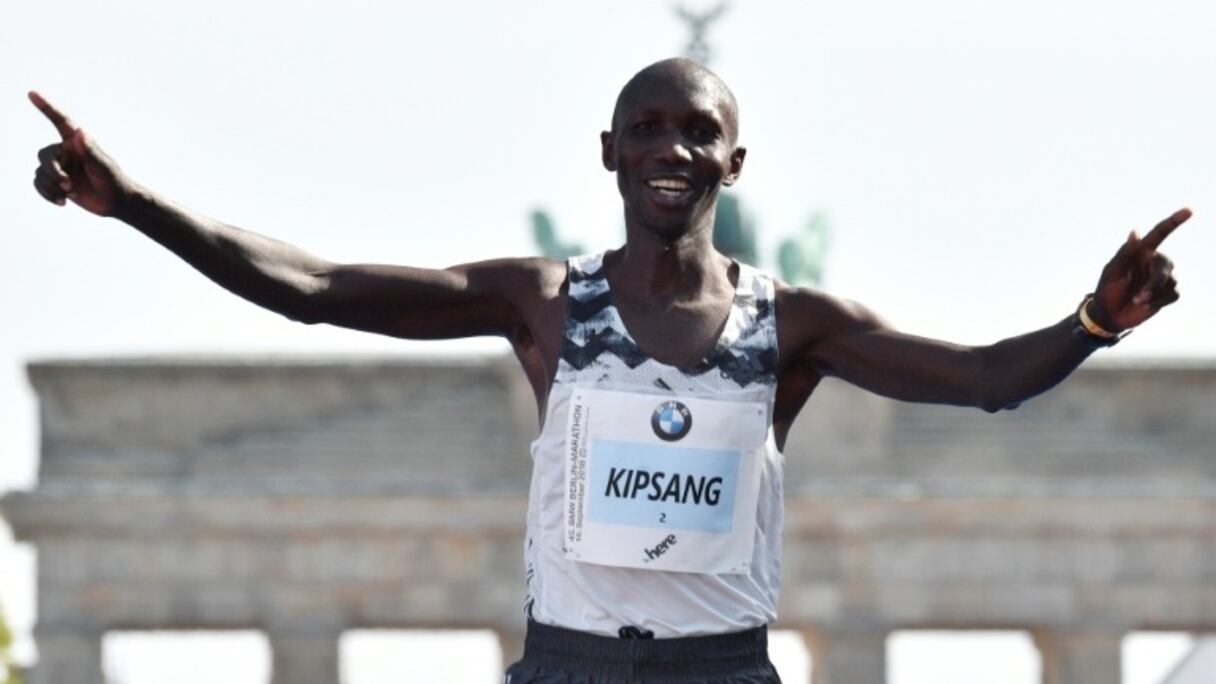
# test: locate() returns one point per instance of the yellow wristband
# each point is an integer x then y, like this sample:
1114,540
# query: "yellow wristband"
1088,323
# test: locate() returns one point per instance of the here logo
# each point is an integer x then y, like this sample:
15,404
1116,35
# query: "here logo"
659,549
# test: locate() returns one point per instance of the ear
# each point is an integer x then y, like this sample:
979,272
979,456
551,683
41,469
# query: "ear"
608,150
736,166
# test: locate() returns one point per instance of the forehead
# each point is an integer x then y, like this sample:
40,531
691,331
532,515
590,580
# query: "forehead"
680,93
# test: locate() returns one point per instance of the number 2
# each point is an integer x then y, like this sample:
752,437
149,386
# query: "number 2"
662,517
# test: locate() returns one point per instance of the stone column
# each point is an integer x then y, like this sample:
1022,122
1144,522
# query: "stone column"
847,657
67,655
1080,657
303,657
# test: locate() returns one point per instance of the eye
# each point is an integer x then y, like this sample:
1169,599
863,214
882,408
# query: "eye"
703,132
644,126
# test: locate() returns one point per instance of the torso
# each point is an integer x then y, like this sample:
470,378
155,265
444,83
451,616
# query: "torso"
679,336
735,586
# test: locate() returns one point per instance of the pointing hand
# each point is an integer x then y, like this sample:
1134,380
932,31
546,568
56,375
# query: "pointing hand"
76,168
1138,281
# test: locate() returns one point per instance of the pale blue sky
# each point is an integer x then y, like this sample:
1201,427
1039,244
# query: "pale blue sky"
979,160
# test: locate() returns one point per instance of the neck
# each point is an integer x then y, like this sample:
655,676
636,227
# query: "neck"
678,269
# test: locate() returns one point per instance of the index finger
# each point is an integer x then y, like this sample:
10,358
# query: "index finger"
1162,230
62,123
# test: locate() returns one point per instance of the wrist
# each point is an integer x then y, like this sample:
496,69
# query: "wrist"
1098,315
131,201
1091,331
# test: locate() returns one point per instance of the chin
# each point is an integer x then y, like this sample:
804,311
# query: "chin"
670,225
668,228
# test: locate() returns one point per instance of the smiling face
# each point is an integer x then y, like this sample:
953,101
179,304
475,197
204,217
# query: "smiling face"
672,146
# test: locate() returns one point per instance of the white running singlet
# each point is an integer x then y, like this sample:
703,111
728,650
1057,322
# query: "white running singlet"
656,495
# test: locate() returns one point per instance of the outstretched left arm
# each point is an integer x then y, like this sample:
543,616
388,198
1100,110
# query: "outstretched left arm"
841,338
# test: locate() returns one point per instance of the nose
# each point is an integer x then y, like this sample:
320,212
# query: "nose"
672,148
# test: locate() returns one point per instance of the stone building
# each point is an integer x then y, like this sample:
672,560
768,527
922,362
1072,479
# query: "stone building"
307,498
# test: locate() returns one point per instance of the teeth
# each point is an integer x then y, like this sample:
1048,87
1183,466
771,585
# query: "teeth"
676,184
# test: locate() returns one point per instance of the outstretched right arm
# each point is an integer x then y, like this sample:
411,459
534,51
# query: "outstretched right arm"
486,298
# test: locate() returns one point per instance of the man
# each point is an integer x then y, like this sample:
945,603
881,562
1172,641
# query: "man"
666,375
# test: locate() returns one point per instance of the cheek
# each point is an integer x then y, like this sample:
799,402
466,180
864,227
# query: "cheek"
714,174
714,160
625,187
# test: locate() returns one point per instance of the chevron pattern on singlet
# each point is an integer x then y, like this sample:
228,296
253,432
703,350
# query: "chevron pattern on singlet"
597,346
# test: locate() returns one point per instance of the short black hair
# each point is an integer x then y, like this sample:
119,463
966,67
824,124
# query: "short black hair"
686,72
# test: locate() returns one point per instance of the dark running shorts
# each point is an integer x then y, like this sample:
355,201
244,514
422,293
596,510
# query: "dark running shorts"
553,655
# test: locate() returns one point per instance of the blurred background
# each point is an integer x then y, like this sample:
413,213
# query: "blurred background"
964,168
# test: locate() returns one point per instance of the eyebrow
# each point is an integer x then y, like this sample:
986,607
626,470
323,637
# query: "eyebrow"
706,114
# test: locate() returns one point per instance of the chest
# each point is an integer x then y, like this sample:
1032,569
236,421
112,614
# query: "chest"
721,344
679,335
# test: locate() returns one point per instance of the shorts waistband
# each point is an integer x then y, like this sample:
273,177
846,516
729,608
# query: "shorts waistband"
703,656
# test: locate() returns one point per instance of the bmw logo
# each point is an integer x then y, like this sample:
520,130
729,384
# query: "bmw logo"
671,421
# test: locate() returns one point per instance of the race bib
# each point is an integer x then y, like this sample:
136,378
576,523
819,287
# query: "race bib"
662,483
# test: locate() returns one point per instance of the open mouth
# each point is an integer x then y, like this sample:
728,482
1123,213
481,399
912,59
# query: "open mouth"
671,192
673,187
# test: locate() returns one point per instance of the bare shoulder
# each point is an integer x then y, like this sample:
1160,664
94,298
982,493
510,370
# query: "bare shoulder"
808,317
549,275
517,279
534,288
